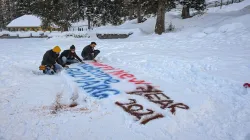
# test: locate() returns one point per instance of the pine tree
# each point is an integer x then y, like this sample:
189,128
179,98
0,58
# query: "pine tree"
24,7
7,11
147,7
2,23
196,4
109,12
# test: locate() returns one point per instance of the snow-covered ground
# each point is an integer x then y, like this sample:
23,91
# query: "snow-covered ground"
202,65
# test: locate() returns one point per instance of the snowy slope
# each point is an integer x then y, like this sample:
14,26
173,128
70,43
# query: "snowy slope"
202,65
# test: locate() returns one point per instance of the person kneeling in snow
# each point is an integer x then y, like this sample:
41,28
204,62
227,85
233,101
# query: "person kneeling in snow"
49,65
89,53
69,56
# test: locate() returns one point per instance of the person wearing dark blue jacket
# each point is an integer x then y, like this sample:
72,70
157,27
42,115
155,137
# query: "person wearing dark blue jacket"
69,56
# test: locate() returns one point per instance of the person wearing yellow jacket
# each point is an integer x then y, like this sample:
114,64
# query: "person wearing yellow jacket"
49,62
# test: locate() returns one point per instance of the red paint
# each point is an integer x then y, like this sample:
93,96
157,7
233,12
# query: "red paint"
97,64
134,80
121,74
158,97
246,85
103,66
117,73
108,68
137,110
177,105
124,76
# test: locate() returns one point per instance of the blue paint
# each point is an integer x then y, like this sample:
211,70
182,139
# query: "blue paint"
73,69
73,74
111,80
99,74
80,76
87,67
96,88
87,83
100,96
106,91
86,78
104,75
99,88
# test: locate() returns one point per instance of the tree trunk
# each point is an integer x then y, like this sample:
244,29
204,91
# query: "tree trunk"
131,12
89,22
185,12
139,11
160,21
65,28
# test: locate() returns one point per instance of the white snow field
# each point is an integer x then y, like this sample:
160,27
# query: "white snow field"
203,64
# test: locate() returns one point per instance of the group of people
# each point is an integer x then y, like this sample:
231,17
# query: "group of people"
53,61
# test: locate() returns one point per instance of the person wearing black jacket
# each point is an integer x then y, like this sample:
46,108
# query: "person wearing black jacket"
89,53
49,61
69,56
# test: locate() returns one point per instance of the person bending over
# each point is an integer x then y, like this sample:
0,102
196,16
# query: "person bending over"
89,53
49,65
69,56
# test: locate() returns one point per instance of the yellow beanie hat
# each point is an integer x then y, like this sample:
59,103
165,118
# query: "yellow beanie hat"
57,49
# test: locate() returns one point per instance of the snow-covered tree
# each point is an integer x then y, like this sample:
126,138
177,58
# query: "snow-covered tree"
199,5
24,7
2,23
109,12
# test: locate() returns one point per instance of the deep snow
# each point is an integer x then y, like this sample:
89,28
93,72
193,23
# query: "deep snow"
203,64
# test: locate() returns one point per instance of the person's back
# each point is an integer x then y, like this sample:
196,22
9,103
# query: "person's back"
88,53
49,65
49,58
65,53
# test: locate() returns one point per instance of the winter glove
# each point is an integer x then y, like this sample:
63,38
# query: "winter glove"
42,67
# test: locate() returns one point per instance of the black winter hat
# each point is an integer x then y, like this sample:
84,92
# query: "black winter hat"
72,47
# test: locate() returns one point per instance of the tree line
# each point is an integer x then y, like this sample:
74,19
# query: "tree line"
99,12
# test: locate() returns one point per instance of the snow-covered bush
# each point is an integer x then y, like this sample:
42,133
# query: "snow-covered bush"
24,34
69,34
13,33
36,34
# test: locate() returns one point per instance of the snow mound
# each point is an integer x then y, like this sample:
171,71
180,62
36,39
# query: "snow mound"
199,35
36,34
231,7
13,33
24,34
68,34
4,33
209,30
47,33
231,27
26,21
